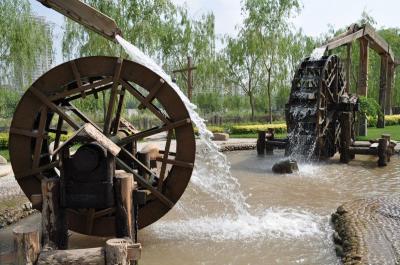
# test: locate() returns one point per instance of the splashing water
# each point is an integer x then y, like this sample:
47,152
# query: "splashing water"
317,53
212,176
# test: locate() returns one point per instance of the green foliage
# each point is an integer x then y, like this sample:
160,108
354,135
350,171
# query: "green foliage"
23,40
8,102
3,140
369,107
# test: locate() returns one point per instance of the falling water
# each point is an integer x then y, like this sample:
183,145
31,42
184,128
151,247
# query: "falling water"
317,53
212,176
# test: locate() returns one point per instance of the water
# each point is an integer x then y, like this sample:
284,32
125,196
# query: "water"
216,180
290,221
317,53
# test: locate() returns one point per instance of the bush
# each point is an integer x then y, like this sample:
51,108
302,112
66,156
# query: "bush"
252,129
3,140
392,119
369,107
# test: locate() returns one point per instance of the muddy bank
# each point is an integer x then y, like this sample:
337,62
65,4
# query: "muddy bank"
14,209
236,147
368,231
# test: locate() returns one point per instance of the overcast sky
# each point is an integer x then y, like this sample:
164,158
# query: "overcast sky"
314,18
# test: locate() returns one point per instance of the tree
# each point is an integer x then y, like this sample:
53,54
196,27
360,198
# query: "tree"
24,39
270,20
244,63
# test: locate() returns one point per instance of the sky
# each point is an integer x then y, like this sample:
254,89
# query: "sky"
313,19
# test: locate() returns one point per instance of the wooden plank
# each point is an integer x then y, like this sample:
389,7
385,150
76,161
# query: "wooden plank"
345,40
23,132
363,69
148,105
34,171
67,93
86,16
348,67
176,162
378,43
77,77
113,95
152,131
39,140
53,107
164,160
119,110
150,97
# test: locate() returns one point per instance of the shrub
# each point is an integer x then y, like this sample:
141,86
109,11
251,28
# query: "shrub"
369,106
392,119
3,140
252,129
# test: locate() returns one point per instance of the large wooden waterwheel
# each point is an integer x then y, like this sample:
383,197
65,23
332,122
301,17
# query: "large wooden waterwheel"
312,113
48,108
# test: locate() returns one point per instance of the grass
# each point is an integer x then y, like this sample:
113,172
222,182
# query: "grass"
374,133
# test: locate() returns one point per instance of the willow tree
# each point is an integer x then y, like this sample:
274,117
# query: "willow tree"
24,39
270,19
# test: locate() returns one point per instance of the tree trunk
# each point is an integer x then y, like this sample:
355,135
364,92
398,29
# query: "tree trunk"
251,105
269,95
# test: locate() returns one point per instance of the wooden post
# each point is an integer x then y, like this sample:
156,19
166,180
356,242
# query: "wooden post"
348,67
389,150
261,143
144,158
123,215
362,89
54,223
382,91
382,152
345,137
117,251
389,88
26,245
269,149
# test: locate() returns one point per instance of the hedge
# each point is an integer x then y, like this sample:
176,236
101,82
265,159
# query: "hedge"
253,129
4,139
389,120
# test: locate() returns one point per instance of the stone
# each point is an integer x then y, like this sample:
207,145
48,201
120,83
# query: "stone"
3,161
220,136
285,166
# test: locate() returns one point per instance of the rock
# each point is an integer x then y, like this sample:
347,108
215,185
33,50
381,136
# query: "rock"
3,161
397,148
220,136
285,166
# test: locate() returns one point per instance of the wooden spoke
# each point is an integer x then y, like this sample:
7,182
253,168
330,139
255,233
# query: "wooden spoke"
119,109
164,160
145,184
33,134
176,162
35,171
78,78
152,94
148,105
153,131
81,115
58,137
94,86
53,107
169,153
39,140
111,103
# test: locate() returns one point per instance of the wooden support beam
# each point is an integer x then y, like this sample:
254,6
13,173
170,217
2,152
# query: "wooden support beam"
261,143
362,84
345,136
348,67
153,92
164,160
54,221
26,245
39,140
382,91
123,184
345,40
389,88
34,171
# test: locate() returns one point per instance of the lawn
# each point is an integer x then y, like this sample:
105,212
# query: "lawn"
374,133
4,153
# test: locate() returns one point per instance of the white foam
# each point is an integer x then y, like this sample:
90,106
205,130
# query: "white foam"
317,53
272,223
